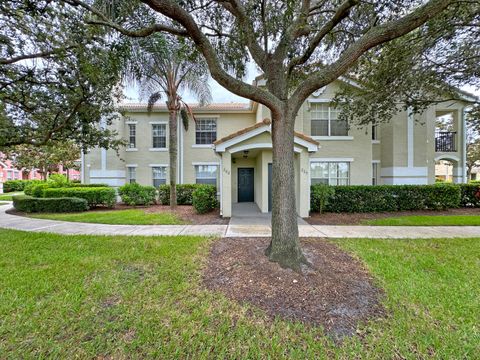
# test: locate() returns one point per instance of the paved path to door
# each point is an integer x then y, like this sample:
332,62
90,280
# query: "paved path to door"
236,228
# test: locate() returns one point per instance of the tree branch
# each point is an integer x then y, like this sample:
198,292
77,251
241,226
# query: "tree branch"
175,12
340,14
374,37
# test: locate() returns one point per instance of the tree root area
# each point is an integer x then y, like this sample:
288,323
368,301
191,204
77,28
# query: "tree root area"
335,292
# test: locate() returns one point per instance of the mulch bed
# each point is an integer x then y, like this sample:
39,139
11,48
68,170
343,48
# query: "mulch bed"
336,293
357,218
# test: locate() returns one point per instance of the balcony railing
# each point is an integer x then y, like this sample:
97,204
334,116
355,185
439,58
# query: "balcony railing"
445,141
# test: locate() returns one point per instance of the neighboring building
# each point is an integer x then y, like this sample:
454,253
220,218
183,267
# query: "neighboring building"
230,145
9,172
444,171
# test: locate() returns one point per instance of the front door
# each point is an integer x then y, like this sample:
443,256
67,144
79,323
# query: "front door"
245,185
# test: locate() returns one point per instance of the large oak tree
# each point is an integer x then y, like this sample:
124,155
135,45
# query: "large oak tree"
301,46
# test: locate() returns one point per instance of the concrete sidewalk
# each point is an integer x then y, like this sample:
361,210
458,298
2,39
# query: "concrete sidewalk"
233,230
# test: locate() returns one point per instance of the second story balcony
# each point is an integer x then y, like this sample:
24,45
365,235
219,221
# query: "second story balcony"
445,141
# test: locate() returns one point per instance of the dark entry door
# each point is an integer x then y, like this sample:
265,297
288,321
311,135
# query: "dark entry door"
269,187
245,185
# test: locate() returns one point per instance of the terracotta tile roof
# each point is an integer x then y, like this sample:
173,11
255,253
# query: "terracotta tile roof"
264,122
233,106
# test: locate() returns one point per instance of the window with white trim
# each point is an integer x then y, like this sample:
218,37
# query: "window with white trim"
132,174
159,175
10,174
159,136
206,174
325,121
330,173
132,136
374,132
374,173
205,131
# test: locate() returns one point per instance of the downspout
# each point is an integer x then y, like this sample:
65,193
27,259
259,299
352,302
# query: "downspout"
180,150
82,167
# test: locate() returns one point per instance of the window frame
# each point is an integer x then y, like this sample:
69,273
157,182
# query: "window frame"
201,180
132,138
330,179
316,108
132,170
203,131
164,125
163,180
374,173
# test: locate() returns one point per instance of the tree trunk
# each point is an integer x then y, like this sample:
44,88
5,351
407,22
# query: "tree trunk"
172,144
284,247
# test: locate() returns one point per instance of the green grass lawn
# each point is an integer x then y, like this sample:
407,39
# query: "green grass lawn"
141,297
8,196
127,217
427,220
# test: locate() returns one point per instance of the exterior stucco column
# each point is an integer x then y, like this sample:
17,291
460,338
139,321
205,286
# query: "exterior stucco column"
226,184
304,181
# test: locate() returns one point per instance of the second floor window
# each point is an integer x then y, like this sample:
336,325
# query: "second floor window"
132,136
330,173
159,175
159,136
205,131
325,121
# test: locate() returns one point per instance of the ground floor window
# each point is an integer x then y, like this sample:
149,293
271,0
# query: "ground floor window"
132,174
374,173
330,173
206,174
159,175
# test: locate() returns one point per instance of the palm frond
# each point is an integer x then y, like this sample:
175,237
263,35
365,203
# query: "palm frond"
185,118
153,99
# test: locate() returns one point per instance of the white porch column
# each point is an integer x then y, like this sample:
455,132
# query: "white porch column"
304,181
226,184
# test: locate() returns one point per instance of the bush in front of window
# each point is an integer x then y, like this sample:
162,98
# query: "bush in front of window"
184,194
30,204
380,198
19,185
95,196
135,194
204,198
321,195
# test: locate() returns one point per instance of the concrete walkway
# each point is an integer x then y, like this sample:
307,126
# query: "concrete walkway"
234,230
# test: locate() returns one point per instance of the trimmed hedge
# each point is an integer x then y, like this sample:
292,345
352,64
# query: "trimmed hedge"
95,196
76,184
470,195
30,204
35,189
204,198
184,194
19,185
365,198
320,197
136,194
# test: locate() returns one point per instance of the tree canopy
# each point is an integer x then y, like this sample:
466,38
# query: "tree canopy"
58,77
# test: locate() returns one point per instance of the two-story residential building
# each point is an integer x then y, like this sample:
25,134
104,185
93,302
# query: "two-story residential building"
229,145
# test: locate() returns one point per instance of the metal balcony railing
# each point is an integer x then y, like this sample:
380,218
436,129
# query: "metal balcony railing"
445,141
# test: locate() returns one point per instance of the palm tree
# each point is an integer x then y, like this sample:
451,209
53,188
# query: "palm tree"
164,67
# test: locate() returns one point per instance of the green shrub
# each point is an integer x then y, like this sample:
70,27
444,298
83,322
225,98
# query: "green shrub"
18,185
95,196
204,198
365,198
30,204
184,194
36,190
470,195
321,196
136,194
58,180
